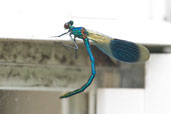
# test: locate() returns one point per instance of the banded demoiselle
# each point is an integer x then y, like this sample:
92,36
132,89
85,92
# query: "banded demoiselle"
120,50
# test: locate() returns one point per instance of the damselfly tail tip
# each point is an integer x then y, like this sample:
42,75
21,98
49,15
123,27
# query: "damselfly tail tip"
63,96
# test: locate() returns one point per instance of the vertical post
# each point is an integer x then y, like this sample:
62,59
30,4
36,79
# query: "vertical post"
158,84
92,100
158,9
65,106
168,10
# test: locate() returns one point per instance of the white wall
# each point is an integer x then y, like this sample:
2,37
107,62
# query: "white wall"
120,101
125,19
112,9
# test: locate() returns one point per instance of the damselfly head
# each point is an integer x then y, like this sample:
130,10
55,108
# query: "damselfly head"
68,24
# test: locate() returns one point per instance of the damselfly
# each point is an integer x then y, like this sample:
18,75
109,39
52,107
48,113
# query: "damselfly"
120,50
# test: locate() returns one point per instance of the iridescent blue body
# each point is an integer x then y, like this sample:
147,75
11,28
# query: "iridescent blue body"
79,32
121,50
93,72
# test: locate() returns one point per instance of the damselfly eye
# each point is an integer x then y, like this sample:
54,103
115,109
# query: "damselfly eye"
66,26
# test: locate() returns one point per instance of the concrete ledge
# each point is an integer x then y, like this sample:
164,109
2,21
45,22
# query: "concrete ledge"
40,64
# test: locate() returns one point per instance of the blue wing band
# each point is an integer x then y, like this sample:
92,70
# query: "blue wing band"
124,50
